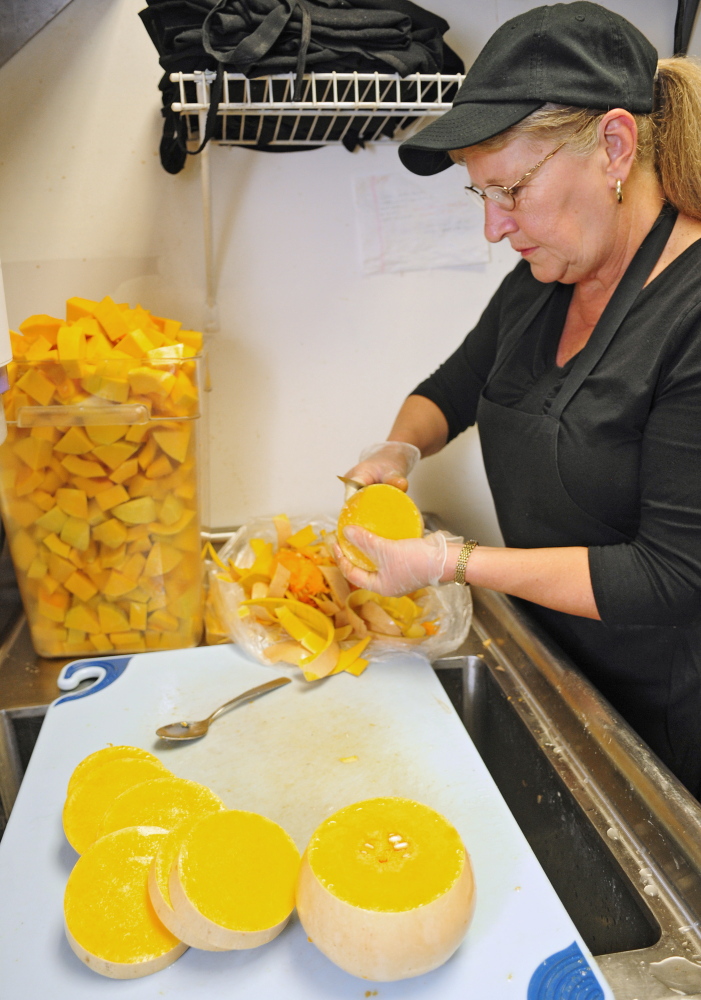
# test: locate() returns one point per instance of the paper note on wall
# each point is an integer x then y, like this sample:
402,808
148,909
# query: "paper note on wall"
409,223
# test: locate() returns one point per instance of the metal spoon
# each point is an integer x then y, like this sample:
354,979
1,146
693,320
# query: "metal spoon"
193,730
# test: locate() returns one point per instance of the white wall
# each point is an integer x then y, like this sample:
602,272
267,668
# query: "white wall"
312,359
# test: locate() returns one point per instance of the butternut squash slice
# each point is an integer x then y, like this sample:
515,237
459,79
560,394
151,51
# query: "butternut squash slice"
163,802
385,889
94,793
382,509
158,878
233,883
102,756
110,922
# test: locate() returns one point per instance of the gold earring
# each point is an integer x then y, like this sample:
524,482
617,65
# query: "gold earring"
619,191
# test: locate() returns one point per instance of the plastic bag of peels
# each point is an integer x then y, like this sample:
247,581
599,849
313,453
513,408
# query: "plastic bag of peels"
275,589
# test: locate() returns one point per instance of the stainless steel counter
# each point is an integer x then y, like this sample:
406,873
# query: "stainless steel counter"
27,688
618,836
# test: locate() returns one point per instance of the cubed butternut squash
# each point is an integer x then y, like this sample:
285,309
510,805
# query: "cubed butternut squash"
125,471
82,618
71,347
24,549
41,325
137,616
174,443
54,606
111,319
76,533
79,584
34,452
106,433
74,442
60,568
28,481
111,497
161,559
73,502
111,533
113,455
38,386
77,308
112,619
118,584
151,381
57,546
83,467
140,511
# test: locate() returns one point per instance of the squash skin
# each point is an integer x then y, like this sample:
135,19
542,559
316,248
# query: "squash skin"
385,946
124,970
173,921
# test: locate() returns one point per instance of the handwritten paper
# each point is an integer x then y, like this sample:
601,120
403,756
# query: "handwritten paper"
410,223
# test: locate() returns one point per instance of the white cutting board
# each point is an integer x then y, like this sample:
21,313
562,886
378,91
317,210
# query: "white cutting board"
281,755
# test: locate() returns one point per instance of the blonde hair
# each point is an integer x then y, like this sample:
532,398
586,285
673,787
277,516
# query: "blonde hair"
669,139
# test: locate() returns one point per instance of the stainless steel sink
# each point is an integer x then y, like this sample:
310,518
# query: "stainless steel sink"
607,911
617,834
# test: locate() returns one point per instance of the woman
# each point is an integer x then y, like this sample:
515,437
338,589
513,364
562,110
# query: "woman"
584,371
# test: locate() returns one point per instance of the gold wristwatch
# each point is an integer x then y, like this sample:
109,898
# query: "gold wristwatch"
465,553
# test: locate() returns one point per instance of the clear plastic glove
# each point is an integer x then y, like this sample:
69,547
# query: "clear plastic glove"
402,566
387,462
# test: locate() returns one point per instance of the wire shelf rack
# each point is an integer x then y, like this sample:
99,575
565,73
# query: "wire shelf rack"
349,108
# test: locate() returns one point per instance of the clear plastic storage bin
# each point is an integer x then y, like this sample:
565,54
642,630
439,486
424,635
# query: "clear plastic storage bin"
98,483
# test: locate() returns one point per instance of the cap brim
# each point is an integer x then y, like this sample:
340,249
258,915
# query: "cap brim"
464,125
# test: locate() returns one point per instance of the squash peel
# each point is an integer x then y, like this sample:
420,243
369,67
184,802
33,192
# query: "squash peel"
312,617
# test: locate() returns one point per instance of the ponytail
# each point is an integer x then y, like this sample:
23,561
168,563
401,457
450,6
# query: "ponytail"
677,131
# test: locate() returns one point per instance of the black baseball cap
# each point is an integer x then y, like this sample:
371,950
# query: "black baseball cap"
578,54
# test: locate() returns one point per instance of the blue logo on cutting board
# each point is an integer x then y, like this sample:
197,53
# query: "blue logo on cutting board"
566,975
104,672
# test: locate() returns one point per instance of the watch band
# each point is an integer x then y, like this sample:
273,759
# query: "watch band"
465,553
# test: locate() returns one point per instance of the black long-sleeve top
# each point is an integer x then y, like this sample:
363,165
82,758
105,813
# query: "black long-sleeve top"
630,439
629,455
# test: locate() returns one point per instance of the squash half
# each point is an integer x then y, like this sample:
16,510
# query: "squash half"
385,889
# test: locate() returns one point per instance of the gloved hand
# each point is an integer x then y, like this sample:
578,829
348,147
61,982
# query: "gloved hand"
402,566
387,462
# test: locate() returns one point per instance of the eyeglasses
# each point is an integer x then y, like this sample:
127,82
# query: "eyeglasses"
504,196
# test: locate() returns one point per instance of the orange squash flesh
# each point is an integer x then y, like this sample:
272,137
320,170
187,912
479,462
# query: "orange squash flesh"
382,509
94,793
163,802
102,756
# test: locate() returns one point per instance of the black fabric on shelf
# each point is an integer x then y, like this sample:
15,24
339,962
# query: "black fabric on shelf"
684,24
265,37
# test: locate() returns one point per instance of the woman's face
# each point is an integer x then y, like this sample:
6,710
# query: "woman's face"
563,222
